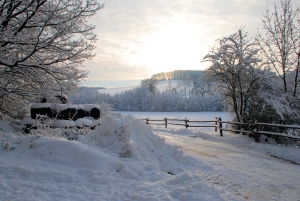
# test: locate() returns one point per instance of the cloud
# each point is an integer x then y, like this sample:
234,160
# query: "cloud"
127,33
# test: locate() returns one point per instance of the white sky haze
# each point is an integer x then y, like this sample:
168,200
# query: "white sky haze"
139,38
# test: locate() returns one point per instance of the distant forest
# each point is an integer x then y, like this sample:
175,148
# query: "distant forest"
191,92
178,75
82,88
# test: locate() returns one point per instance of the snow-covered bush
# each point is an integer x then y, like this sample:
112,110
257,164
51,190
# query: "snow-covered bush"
105,109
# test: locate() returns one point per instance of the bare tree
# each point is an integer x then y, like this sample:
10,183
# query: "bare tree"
150,84
234,65
42,44
202,85
281,43
184,85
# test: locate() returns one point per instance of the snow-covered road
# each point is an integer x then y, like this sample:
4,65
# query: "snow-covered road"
238,170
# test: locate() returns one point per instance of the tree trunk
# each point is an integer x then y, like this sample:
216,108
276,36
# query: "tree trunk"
296,76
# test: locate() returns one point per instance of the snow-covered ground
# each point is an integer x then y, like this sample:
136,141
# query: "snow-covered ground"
123,159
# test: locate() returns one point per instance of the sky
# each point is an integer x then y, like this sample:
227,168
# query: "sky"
139,38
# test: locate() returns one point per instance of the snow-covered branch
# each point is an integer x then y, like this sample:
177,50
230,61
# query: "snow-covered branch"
42,44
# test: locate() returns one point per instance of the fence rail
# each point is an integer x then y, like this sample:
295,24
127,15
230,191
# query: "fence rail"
186,122
254,130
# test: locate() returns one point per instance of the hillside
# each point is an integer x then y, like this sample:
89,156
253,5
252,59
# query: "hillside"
162,85
178,75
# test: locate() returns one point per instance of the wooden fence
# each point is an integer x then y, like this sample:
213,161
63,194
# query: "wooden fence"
254,130
186,123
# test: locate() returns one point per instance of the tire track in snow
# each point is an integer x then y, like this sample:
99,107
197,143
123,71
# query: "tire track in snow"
245,173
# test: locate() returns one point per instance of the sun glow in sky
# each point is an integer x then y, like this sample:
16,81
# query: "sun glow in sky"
139,38
174,46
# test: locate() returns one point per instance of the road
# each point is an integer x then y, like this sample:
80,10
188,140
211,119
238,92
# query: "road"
239,171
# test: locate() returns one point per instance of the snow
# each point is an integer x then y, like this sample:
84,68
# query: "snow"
61,107
80,107
124,159
161,86
83,122
205,116
90,118
116,90
89,107
63,123
42,105
27,120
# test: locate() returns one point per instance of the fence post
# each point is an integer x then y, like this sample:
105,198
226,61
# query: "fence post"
242,127
147,121
216,124
166,122
186,125
220,126
256,130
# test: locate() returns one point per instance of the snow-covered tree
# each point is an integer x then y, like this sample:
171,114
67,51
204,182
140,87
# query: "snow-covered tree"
42,44
202,86
247,84
150,84
280,47
281,43
234,68
184,87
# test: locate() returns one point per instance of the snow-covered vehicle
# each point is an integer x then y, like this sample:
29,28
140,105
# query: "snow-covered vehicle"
61,116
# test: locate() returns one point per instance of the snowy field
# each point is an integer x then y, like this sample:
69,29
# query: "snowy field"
195,116
124,159
205,116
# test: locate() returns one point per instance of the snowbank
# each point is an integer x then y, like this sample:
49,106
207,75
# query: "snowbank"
128,137
63,123
122,159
